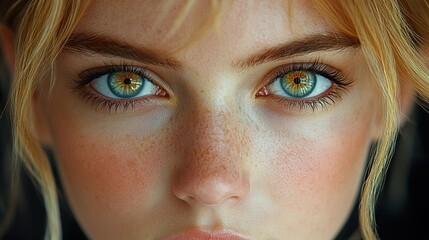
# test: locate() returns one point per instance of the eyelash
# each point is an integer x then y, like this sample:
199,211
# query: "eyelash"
112,105
340,82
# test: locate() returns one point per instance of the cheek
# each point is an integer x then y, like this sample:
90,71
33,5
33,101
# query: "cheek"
111,176
314,169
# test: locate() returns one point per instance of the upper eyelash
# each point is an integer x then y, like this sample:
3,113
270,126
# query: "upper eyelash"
317,67
89,75
341,81
102,103
337,77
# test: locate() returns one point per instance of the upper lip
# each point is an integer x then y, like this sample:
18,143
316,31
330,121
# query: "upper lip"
205,235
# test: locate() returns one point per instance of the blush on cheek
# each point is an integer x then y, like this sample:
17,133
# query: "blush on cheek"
109,179
315,174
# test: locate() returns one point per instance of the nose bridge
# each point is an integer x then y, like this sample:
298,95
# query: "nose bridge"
215,144
215,148
216,131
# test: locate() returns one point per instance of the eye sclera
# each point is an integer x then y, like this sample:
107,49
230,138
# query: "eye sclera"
88,76
339,83
86,90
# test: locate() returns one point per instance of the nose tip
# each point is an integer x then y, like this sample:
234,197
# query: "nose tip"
211,189
213,158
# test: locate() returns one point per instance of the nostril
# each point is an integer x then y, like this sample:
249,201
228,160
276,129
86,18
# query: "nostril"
211,190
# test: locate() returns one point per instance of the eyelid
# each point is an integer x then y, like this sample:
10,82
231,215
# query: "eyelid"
85,77
107,104
315,66
93,73
340,85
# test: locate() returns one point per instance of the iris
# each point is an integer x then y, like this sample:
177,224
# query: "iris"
298,83
125,84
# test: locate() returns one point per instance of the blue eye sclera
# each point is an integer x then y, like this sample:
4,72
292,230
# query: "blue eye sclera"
124,85
299,84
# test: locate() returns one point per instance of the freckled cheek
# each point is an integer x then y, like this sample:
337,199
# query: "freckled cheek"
109,178
317,171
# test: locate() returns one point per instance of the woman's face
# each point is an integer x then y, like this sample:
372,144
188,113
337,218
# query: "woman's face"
258,127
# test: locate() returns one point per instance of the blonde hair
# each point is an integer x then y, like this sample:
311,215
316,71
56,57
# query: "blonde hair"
391,34
390,47
39,35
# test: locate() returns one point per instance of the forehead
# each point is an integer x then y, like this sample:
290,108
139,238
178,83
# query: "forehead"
241,22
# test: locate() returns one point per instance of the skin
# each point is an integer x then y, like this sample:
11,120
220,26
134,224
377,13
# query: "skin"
213,155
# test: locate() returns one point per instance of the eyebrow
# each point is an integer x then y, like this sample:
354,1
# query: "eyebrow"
92,43
307,44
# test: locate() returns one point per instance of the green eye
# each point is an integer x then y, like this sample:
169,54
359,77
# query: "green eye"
298,83
125,84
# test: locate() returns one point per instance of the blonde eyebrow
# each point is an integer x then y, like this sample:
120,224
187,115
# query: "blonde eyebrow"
308,44
83,43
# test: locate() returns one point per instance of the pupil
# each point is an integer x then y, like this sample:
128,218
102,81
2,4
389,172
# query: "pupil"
127,81
297,80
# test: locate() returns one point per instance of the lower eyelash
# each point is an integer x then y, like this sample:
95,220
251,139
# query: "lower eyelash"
113,106
104,104
340,85
313,104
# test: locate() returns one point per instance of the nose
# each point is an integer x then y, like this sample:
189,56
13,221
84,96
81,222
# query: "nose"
213,169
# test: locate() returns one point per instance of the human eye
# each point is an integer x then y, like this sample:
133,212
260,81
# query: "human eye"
119,87
305,85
